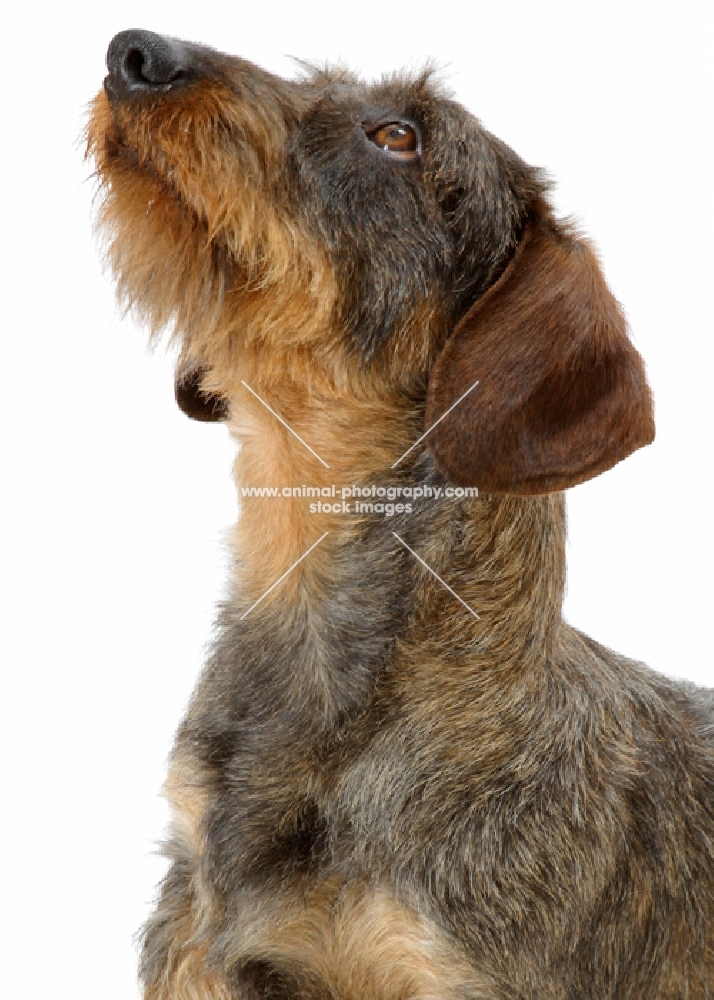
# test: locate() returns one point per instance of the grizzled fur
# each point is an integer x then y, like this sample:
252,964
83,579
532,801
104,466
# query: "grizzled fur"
378,794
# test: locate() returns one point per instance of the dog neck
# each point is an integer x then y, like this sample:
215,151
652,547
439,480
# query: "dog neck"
484,576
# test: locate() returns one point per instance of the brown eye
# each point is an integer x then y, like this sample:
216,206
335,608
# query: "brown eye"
397,139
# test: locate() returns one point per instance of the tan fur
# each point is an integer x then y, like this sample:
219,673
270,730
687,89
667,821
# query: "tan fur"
186,793
357,942
186,978
287,290
357,438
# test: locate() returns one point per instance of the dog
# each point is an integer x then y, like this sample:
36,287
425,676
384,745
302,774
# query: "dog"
402,774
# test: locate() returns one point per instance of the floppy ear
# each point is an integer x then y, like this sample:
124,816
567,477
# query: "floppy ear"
561,393
196,403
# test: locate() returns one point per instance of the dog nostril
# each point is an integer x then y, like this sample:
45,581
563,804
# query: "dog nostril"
133,66
142,70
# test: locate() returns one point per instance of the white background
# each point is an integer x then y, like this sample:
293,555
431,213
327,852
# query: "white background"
114,504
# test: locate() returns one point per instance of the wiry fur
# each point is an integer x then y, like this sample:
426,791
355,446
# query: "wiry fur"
377,794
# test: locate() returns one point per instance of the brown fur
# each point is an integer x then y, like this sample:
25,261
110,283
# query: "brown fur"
562,375
376,793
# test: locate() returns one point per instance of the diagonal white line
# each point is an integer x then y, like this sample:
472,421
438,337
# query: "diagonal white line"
442,582
314,545
277,415
453,405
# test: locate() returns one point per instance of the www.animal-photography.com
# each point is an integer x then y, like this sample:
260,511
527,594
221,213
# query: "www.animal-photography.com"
357,514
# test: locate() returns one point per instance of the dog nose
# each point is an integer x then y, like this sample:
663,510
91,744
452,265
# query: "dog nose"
142,62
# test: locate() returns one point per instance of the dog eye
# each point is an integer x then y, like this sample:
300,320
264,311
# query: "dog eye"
396,139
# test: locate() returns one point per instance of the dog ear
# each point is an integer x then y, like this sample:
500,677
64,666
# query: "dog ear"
194,401
561,393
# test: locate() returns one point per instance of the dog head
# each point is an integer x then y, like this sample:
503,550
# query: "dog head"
375,236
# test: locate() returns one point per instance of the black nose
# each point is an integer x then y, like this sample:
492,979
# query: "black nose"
141,62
